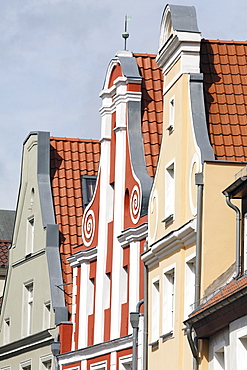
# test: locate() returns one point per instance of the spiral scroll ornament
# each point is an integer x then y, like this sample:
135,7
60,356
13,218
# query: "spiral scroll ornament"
88,227
135,204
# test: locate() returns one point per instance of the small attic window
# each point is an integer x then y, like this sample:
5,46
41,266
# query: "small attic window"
88,187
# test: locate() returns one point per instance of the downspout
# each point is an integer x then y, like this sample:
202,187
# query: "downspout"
134,320
199,183
145,326
238,228
193,342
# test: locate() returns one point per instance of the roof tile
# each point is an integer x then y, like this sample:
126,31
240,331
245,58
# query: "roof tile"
223,64
70,158
152,108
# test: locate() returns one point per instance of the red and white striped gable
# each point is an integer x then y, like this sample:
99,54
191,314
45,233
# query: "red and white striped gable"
107,269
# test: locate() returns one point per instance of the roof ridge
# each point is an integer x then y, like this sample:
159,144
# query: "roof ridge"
218,41
144,55
74,139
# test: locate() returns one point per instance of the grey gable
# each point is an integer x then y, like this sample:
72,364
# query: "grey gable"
183,18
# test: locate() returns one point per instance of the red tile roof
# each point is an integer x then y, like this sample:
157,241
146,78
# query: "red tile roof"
152,108
4,252
70,158
228,290
224,65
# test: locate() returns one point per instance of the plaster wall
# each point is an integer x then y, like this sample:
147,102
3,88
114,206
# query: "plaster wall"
34,358
168,348
27,266
179,147
219,223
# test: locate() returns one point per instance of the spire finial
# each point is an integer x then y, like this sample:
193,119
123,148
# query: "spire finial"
125,34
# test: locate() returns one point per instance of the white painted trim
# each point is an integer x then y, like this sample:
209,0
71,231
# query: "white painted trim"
182,237
85,256
133,234
102,365
96,350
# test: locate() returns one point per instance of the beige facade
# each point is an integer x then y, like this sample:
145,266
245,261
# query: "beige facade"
27,315
186,164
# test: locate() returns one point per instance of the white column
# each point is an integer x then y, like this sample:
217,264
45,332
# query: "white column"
102,300
134,295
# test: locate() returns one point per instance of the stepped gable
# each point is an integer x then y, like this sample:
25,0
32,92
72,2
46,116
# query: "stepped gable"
70,159
152,108
224,65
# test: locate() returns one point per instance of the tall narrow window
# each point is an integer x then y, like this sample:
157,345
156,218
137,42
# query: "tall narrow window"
170,127
30,235
28,308
168,302
169,193
155,310
47,315
6,330
189,289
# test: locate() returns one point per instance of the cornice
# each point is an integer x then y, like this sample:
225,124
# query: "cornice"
133,234
26,344
179,238
96,350
84,256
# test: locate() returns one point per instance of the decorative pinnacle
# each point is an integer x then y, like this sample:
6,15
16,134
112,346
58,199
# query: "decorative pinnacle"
125,34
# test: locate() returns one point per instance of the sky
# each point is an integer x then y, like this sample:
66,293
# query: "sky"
54,56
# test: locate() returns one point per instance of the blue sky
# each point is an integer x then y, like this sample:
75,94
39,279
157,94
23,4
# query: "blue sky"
54,55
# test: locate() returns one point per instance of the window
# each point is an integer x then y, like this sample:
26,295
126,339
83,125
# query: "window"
169,194
30,235
99,366
26,365
46,362
47,315
155,310
168,302
6,330
170,127
125,363
241,352
88,187
189,289
28,308
219,359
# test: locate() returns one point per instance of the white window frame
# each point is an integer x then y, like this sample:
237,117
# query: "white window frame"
30,235
241,352
155,322
168,301
47,315
6,330
169,192
44,360
102,365
189,288
125,362
170,127
27,307
25,365
219,359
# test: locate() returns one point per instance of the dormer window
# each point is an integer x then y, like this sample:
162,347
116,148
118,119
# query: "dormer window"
88,187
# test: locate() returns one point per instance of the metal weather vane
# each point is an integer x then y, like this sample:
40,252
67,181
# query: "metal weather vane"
125,34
